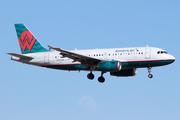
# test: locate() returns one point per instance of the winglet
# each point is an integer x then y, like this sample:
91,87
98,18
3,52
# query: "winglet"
50,47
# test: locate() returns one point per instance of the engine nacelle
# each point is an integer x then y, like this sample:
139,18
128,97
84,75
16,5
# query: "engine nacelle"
125,73
108,66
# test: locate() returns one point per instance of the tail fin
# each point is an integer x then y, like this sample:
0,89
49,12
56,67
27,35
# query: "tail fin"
28,43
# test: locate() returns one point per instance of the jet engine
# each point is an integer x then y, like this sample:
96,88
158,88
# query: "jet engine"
108,66
125,72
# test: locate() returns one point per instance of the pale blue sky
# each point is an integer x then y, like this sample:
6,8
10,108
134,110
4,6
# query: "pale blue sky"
33,93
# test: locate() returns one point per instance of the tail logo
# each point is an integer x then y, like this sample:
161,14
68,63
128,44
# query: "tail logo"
26,40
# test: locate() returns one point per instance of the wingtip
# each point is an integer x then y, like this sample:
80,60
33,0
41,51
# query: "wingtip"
9,53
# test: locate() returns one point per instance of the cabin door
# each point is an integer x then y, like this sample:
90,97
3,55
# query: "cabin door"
148,53
46,58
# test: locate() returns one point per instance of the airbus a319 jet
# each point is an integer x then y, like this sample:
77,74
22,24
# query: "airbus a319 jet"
120,62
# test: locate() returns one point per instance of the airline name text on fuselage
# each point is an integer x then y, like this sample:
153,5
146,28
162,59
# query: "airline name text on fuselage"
128,50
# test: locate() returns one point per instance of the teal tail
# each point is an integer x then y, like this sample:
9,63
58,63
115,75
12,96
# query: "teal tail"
28,43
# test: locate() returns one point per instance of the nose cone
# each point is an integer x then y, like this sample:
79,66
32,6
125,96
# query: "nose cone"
171,58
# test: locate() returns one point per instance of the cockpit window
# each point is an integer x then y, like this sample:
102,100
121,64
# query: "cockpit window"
165,52
162,52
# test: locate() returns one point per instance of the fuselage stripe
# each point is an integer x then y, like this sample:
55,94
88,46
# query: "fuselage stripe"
117,65
148,60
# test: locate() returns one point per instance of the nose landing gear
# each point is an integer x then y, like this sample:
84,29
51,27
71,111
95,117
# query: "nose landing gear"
149,71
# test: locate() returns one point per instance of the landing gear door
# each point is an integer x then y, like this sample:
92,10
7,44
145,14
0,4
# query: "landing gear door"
148,53
46,58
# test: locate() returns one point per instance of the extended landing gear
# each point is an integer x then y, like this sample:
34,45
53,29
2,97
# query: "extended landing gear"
101,79
150,75
149,71
90,76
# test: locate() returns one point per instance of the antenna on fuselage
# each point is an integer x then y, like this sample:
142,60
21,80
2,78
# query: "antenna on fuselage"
147,46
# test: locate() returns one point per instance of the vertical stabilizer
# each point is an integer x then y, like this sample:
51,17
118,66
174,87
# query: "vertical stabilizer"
27,41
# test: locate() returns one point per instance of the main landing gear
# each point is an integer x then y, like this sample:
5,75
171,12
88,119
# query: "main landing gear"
90,76
101,79
149,71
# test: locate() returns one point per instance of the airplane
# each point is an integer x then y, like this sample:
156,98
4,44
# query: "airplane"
120,62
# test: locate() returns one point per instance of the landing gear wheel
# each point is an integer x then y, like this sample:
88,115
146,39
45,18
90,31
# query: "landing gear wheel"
90,76
101,79
150,75
149,71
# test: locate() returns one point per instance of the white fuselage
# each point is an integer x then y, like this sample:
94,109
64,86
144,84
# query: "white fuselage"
135,55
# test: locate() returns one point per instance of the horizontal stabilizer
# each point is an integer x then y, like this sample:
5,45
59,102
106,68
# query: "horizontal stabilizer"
20,56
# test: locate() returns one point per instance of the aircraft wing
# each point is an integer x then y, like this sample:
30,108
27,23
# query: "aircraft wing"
78,57
20,56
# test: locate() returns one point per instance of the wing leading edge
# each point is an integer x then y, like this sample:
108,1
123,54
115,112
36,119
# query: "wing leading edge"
78,57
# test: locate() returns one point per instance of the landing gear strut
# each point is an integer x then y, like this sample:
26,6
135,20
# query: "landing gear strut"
91,75
149,71
101,79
